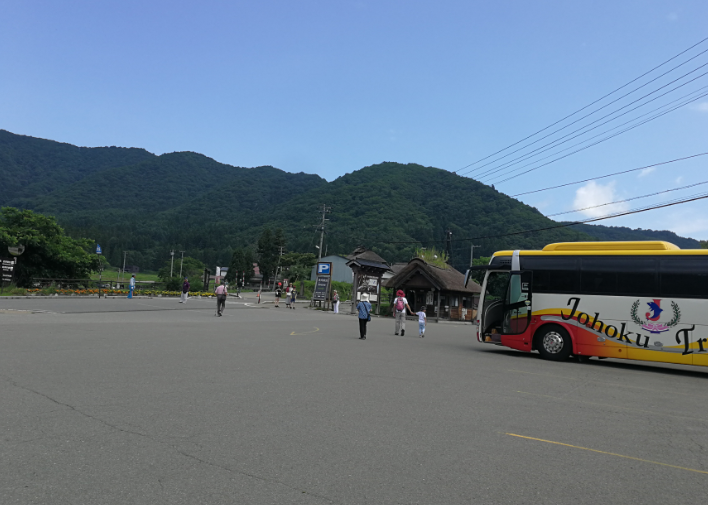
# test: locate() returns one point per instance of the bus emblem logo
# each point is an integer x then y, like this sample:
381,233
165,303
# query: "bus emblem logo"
652,324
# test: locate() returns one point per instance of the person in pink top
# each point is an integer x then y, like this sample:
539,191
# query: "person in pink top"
221,292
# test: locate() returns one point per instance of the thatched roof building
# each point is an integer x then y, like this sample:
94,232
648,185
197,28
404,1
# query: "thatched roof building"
441,289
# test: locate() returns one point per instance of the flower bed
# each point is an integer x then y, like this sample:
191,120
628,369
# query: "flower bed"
85,292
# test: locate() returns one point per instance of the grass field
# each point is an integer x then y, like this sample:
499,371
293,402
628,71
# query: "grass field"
112,274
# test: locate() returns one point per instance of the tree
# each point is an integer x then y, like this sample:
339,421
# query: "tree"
49,252
478,275
191,268
269,247
241,266
298,265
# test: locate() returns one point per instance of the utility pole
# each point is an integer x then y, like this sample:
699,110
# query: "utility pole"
172,262
125,253
448,246
472,246
180,264
325,211
278,267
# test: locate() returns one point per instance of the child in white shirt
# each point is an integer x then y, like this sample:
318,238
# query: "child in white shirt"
421,321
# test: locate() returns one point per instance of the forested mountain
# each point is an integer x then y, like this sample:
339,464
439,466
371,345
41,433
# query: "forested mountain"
32,168
130,199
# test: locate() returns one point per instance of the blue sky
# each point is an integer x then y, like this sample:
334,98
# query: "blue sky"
328,87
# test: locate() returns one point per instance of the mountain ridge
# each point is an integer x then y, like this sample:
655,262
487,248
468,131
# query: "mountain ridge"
130,199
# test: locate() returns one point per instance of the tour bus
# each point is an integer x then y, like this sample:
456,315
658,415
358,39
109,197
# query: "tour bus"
633,300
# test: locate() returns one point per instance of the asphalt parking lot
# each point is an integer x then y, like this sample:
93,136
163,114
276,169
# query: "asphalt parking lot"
147,401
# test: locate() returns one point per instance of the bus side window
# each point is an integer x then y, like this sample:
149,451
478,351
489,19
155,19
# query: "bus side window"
684,277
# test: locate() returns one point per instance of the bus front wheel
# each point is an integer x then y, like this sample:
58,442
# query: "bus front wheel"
553,343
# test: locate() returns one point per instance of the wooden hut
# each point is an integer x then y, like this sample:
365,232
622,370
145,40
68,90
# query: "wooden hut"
368,268
441,290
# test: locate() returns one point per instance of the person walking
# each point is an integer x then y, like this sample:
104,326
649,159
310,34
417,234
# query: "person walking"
131,287
221,292
288,295
335,302
364,308
422,318
278,294
400,304
259,295
185,291
293,296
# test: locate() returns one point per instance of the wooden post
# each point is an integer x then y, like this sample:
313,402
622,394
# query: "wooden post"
354,286
378,297
437,314
329,289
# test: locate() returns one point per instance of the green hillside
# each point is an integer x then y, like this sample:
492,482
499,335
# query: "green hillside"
129,199
33,168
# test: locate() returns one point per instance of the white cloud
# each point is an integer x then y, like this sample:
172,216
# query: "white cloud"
701,107
646,171
678,180
691,228
684,220
594,194
672,16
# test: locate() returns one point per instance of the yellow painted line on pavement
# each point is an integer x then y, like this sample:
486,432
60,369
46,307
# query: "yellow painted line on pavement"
307,332
607,453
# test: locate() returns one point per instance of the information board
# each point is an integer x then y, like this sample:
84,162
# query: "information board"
321,288
8,266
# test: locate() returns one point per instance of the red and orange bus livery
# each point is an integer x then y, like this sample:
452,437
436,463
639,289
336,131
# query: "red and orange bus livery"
632,300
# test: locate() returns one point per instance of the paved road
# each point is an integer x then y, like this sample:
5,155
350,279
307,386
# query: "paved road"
148,401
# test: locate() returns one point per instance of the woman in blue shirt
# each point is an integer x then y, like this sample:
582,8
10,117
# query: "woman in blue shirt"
364,308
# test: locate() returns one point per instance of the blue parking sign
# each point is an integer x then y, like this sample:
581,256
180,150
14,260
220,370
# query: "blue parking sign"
98,249
324,268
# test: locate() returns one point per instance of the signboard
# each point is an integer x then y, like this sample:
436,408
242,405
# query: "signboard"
324,268
98,249
321,288
7,266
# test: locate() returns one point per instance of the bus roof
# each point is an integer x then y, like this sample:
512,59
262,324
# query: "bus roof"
640,248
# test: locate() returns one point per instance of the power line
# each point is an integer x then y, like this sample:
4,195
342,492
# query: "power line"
563,225
587,106
590,145
682,100
609,175
628,199
556,142
606,115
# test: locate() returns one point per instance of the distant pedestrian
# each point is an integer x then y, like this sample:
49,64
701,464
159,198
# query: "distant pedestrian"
185,291
293,296
400,304
278,294
422,318
221,292
288,296
364,308
131,288
335,302
259,295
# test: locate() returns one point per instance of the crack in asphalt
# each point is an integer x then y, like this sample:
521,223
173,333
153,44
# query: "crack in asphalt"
176,449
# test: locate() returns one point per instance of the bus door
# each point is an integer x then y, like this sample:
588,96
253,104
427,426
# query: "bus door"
517,304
